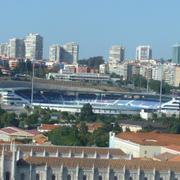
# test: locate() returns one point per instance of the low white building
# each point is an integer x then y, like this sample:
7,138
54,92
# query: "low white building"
145,114
143,144
131,127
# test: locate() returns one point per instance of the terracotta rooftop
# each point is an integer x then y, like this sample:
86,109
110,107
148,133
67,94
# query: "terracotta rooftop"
174,147
102,163
151,138
48,127
175,159
164,156
15,131
67,149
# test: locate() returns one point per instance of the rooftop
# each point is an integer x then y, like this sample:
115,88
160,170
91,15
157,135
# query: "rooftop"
101,163
151,138
14,131
67,149
174,147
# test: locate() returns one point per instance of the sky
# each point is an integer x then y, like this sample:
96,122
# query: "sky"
95,25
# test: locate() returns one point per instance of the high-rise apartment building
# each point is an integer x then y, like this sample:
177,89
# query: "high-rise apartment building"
4,49
176,54
143,52
55,53
16,48
116,54
71,52
34,46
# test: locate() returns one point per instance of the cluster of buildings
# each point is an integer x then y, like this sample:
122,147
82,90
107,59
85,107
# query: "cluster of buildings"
143,65
68,53
142,156
30,47
66,58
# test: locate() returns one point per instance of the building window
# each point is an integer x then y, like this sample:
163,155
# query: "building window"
130,178
69,177
145,178
115,178
22,176
100,178
7,176
84,177
53,177
37,177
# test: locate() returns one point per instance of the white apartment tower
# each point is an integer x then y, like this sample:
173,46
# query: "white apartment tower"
55,53
116,54
71,52
4,49
34,46
16,48
143,53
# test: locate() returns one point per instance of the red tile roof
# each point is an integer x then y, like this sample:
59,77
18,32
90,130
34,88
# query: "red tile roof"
9,130
151,138
33,132
48,127
103,163
174,147
175,159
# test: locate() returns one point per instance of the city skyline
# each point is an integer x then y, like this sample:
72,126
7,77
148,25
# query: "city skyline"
94,25
48,53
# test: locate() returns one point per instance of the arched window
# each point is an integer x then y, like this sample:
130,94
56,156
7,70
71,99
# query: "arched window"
100,178
145,178
84,177
130,178
22,176
115,178
69,177
7,176
53,177
37,177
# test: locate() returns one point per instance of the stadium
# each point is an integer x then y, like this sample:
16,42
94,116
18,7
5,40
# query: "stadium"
73,101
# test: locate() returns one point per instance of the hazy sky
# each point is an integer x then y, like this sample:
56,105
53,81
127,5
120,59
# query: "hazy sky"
95,24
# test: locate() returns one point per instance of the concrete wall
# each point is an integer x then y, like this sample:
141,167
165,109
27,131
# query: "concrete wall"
126,146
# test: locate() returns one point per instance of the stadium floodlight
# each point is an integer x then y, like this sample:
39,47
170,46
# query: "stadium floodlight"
32,82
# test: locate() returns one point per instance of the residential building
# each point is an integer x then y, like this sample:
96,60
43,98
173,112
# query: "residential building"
146,71
131,127
34,46
44,128
120,69
103,68
4,49
143,53
55,53
116,54
143,144
16,48
177,76
176,53
157,72
71,52
13,134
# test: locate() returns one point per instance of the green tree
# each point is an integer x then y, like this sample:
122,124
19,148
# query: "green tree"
87,113
92,62
65,136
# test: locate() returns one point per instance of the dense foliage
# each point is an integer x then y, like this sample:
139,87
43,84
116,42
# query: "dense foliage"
75,130
92,62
